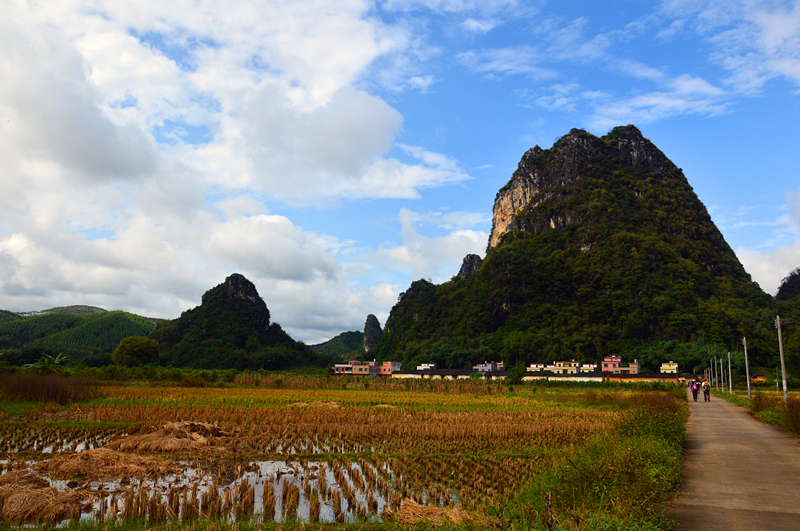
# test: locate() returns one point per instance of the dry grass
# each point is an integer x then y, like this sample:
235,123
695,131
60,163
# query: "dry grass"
173,437
22,479
27,498
411,513
103,463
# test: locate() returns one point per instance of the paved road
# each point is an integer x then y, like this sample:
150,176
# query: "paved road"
739,473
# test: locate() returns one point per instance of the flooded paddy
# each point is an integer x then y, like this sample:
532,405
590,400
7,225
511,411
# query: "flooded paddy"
301,462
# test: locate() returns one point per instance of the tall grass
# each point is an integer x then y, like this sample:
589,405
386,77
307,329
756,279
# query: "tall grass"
614,481
48,388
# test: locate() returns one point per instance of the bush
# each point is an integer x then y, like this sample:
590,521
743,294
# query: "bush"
134,351
793,415
44,388
761,403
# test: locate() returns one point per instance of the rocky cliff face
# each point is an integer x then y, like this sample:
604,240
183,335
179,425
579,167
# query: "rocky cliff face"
541,178
372,332
470,266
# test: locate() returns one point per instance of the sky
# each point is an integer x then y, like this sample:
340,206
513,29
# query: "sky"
333,151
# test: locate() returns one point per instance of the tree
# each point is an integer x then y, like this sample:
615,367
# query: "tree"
48,364
135,350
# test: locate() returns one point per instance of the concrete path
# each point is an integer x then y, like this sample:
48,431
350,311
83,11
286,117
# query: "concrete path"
739,473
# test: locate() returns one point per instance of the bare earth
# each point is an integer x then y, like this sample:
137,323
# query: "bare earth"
739,473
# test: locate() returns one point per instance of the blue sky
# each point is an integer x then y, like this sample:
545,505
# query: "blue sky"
333,151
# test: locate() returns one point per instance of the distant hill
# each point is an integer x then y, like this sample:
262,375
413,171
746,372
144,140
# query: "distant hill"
342,346
76,309
6,316
79,335
599,246
231,329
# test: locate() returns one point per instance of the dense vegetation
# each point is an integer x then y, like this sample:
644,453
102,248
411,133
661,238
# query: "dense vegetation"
85,337
231,329
617,255
789,310
344,345
790,286
6,316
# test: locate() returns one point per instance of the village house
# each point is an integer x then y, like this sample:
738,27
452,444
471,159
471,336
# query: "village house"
613,364
366,368
488,366
669,368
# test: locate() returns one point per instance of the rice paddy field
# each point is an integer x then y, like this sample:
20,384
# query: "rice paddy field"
298,458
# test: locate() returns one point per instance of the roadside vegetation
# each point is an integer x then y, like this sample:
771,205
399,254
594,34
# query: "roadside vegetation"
768,406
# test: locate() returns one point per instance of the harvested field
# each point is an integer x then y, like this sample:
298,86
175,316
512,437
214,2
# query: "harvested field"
104,463
314,456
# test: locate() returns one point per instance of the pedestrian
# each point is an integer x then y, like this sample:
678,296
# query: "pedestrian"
706,391
695,389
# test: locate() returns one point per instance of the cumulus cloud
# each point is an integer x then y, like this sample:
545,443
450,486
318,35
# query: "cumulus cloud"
49,112
438,258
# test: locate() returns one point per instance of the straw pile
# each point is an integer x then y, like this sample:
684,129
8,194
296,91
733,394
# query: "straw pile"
23,479
102,463
317,403
173,437
411,513
26,498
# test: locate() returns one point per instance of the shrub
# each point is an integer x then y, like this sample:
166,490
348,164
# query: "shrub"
793,415
44,388
761,403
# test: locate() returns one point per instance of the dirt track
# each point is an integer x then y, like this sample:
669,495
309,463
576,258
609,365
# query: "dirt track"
739,473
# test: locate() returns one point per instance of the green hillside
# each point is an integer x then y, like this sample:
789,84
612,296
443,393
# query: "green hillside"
78,335
789,307
6,316
611,252
344,345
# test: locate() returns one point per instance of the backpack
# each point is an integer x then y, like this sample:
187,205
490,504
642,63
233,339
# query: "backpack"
694,386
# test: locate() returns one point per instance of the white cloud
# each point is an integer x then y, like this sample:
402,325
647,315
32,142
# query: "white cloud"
754,41
769,267
521,60
438,258
49,112
478,26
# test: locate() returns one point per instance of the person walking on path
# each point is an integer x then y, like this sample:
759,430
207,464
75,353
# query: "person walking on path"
738,474
706,391
695,389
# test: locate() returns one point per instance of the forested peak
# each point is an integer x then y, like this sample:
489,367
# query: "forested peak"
235,286
790,286
599,245
237,294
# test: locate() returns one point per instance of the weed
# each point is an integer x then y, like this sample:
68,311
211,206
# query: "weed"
761,403
44,388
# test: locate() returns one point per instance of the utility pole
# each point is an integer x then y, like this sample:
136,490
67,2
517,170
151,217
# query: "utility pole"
714,374
722,374
746,366
783,363
730,374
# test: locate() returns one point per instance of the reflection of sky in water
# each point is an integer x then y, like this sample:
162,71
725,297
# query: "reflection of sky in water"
261,475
